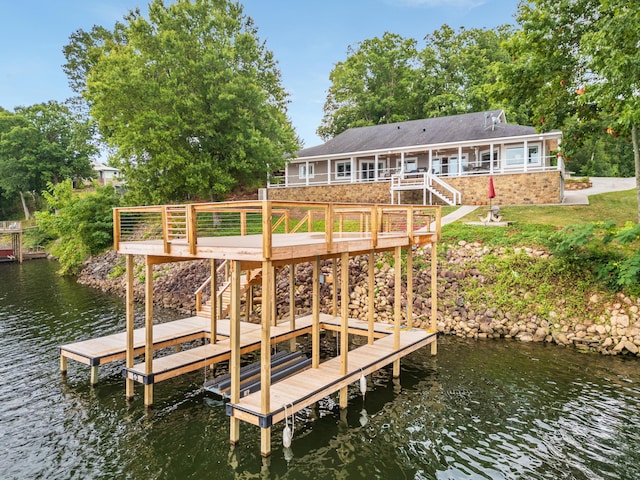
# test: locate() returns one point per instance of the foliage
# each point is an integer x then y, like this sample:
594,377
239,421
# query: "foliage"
40,144
612,253
190,98
80,225
385,80
373,85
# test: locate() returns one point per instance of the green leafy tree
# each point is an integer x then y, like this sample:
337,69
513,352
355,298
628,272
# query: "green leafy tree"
79,225
41,144
611,47
190,98
457,69
373,85
389,80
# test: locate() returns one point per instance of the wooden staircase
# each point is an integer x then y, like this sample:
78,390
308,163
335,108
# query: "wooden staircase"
248,279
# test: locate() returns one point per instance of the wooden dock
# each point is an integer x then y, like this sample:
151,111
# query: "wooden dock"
255,239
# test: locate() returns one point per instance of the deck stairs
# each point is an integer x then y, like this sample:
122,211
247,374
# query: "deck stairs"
429,184
248,279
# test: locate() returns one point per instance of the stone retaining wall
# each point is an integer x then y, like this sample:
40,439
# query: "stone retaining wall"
511,189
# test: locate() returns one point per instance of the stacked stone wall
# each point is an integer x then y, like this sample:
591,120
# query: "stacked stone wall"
511,189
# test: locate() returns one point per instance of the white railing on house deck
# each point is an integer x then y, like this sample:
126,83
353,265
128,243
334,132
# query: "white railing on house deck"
550,163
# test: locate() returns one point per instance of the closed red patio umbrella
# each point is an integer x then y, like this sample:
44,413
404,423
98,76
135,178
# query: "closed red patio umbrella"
492,191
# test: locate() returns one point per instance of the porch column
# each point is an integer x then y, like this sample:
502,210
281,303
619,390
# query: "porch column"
401,163
306,172
328,171
354,173
502,160
375,167
491,159
544,155
286,176
526,156
430,161
459,160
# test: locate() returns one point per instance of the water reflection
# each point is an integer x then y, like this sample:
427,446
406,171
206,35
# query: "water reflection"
492,409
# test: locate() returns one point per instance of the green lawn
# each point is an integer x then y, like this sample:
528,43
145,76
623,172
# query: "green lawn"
619,207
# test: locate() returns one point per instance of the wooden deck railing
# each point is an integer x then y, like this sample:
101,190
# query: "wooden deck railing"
167,223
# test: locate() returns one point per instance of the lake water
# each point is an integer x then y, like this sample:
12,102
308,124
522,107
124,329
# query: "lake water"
485,409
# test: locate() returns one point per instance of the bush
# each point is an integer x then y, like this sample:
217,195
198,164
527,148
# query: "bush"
80,225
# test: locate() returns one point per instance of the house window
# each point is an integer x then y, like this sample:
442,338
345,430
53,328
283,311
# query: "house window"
304,173
485,159
343,169
411,165
515,155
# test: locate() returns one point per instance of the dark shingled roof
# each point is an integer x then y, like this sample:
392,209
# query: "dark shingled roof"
428,131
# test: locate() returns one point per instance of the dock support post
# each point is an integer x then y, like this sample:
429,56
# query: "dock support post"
434,295
292,304
268,289
94,375
344,323
371,297
315,314
213,301
234,334
63,364
397,306
409,287
129,383
334,287
148,328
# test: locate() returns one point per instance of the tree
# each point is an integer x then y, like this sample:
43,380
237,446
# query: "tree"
373,85
611,46
387,79
79,225
457,70
40,144
190,98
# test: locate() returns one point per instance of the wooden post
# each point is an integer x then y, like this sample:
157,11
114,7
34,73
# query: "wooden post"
292,303
334,287
268,288
397,306
344,323
434,294
371,296
234,340
315,314
213,301
129,388
274,297
410,287
94,375
266,232
148,326
63,364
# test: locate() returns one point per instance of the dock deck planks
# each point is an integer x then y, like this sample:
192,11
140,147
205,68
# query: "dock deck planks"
305,388
101,350
193,359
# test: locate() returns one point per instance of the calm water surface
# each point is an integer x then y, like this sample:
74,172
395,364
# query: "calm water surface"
492,409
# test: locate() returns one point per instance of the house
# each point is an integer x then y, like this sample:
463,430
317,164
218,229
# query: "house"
106,175
444,160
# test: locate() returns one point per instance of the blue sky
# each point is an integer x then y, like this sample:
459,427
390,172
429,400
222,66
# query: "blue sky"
307,38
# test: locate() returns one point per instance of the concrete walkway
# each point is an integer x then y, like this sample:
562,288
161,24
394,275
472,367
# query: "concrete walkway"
599,185
571,197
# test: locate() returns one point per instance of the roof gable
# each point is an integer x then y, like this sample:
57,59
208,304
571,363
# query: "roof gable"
428,131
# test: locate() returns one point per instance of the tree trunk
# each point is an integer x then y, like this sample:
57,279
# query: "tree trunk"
636,159
24,207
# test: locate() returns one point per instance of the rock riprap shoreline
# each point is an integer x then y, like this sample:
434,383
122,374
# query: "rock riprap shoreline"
610,326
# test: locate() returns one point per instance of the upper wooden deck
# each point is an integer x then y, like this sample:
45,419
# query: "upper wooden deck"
270,230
